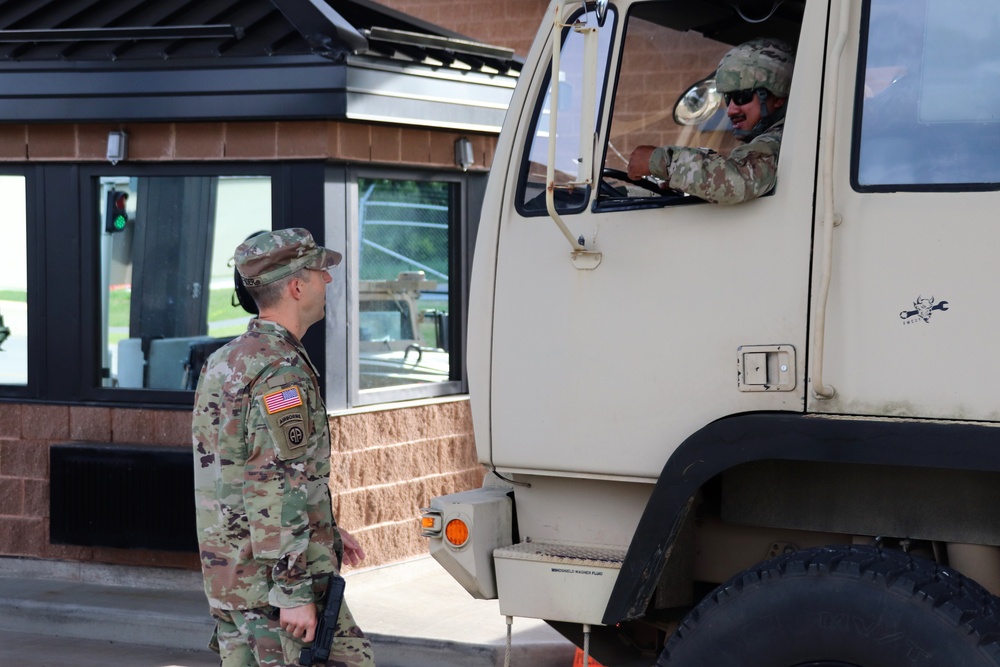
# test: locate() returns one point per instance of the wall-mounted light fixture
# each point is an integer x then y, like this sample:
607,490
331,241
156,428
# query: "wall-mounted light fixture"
463,154
117,146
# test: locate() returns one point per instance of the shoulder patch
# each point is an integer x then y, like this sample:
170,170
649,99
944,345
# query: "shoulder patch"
282,400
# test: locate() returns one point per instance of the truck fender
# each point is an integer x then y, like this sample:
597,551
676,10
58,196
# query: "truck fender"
746,438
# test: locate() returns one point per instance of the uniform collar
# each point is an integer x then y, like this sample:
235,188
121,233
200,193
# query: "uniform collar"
272,328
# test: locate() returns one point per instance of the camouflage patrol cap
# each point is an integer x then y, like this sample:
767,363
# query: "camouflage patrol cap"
760,63
271,256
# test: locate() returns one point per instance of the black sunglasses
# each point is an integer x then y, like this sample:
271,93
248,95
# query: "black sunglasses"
741,97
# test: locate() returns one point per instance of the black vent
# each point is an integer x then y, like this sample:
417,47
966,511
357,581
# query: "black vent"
131,497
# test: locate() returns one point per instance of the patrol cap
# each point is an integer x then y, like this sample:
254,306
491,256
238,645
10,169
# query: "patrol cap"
760,63
271,256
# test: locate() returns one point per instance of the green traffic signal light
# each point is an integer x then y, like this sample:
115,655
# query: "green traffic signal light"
115,216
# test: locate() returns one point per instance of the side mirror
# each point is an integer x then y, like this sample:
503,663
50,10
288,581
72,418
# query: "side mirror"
602,12
698,103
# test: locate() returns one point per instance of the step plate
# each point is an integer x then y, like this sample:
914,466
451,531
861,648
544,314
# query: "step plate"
556,582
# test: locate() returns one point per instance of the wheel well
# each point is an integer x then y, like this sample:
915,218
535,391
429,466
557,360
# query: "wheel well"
815,473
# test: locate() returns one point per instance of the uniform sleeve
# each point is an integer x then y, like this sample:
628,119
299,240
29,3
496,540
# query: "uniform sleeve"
749,172
275,483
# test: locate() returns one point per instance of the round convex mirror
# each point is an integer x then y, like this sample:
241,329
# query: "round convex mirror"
698,103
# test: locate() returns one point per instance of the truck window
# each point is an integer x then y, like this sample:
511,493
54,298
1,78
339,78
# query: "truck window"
531,199
660,60
929,95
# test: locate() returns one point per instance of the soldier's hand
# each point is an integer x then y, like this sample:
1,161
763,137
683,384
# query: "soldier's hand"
353,553
638,162
299,622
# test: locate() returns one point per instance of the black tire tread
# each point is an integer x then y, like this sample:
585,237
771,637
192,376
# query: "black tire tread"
966,605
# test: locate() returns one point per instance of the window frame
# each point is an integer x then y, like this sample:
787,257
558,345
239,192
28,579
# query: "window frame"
343,389
284,193
34,238
864,41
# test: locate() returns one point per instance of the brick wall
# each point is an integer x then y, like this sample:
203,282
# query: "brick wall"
387,465
510,23
335,140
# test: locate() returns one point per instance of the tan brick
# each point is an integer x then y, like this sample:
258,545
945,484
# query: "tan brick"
386,144
26,459
199,141
51,142
36,498
173,427
150,141
22,536
251,140
10,421
415,146
442,148
64,551
13,142
92,141
89,424
45,422
133,426
11,496
354,141
304,139
187,561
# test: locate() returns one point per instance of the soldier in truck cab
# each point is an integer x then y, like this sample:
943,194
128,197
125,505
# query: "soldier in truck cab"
754,79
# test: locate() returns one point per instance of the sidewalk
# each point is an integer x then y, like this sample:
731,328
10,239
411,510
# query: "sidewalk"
61,614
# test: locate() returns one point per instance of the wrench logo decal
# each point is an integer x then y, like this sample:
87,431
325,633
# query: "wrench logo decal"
923,309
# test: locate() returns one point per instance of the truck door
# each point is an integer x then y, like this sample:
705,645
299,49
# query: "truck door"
606,368
909,319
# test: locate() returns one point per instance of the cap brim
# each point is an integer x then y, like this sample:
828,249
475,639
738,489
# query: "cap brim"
330,258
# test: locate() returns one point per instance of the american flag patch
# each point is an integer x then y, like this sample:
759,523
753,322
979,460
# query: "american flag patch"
282,400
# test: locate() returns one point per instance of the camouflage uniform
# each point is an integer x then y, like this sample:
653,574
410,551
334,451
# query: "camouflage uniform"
750,171
266,531
764,65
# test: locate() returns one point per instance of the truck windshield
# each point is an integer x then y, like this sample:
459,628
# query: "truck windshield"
929,99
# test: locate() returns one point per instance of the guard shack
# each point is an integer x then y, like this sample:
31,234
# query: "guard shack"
140,143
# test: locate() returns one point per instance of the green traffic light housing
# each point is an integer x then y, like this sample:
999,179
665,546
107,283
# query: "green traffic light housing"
115,216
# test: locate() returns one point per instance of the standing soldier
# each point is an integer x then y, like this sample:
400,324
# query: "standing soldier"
754,79
267,536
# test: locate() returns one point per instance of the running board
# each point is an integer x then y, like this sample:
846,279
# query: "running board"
557,582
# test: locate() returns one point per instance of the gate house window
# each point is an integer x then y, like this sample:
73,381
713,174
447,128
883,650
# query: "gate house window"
13,283
166,274
404,271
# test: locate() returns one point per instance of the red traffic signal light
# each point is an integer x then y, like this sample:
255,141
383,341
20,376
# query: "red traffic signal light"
115,216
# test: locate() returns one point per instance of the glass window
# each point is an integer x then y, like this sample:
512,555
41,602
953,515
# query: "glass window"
14,283
405,231
928,113
568,149
166,274
658,64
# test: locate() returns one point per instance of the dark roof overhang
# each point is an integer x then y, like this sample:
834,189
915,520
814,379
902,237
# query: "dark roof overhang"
186,60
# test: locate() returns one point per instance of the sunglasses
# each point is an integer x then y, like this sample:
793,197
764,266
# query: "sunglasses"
741,97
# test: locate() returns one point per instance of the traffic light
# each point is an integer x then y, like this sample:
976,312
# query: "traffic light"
115,216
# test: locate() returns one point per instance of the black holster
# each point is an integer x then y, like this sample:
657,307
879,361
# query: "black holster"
319,651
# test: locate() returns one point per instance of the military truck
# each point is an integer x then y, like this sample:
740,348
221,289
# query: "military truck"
763,434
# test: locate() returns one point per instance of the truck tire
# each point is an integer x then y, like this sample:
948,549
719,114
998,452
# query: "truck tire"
850,606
